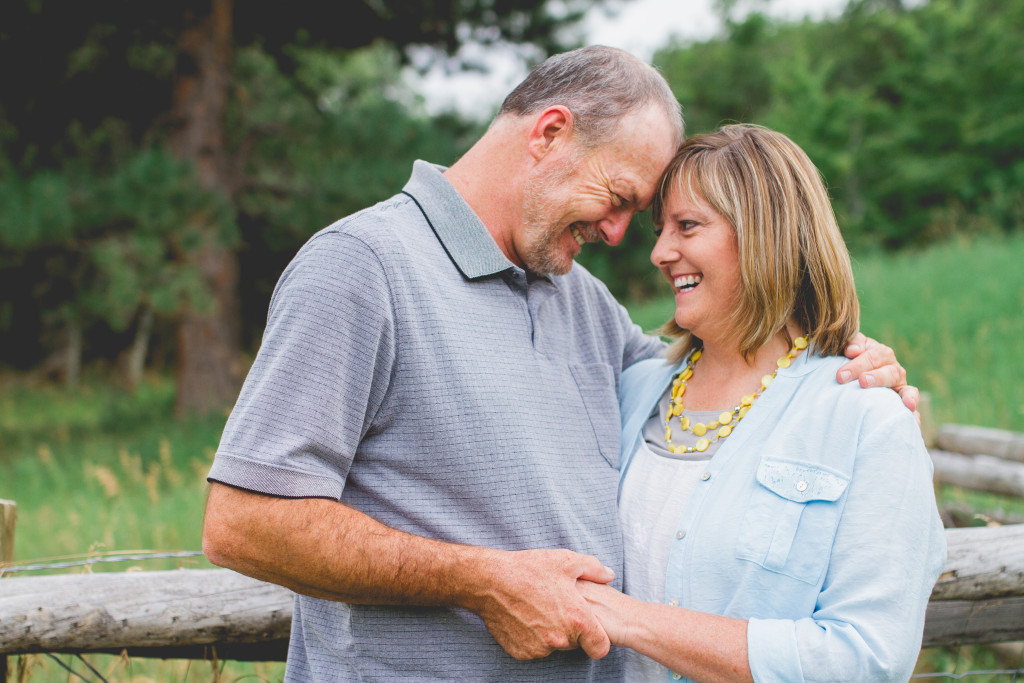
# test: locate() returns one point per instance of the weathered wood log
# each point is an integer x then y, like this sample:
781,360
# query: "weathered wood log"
979,472
972,440
183,613
168,609
982,563
972,622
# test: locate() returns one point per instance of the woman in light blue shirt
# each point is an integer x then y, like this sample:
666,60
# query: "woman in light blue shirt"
779,526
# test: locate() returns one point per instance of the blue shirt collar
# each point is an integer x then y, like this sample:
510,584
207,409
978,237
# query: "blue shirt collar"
460,231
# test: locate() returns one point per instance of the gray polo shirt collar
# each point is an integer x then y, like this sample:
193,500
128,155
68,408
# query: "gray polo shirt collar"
459,230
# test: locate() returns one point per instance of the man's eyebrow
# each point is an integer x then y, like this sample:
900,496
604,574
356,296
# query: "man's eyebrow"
630,195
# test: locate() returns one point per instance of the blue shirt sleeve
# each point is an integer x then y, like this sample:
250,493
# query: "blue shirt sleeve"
869,616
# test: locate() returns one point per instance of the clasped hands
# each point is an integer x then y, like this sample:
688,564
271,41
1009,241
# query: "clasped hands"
541,601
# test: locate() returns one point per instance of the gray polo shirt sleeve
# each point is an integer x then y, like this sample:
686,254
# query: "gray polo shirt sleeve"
638,346
322,372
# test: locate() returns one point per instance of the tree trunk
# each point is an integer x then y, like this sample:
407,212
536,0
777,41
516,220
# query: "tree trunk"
135,363
209,340
73,354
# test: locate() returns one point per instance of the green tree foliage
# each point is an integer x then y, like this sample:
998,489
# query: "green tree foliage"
150,154
913,115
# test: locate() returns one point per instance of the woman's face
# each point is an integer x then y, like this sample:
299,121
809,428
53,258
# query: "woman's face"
698,253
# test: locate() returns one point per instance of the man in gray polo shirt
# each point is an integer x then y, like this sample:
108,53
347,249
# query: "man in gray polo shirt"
425,449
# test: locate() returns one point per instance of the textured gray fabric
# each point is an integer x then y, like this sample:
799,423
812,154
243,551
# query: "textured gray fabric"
412,372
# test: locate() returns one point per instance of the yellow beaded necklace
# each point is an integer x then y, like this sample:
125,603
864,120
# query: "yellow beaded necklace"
728,420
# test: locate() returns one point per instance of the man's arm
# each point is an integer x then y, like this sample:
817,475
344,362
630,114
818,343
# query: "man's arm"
321,548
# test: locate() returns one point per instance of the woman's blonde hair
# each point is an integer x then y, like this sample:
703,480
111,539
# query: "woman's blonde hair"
793,261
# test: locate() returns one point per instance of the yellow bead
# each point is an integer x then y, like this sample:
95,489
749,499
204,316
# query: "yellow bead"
687,374
677,409
678,400
668,433
800,343
742,413
702,445
784,362
696,356
766,381
724,431
684,422
681,390
747,400
713,425
699,429
725,418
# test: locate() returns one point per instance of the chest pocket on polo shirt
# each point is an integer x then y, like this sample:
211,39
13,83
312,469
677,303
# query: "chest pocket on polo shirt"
791,519
596,384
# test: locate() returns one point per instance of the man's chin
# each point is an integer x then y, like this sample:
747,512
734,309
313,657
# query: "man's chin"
551,264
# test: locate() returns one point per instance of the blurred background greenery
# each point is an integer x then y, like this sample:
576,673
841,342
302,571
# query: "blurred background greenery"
160,166
161,163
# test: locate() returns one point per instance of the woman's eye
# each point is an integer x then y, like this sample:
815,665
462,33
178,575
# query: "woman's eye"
686,225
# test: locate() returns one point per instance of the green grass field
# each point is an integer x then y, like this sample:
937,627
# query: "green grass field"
99,471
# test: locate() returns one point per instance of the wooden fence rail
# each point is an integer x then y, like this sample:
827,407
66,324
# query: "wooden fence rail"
187,613
184,613
979,458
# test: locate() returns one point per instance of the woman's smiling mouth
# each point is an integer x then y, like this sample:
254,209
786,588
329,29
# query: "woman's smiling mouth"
685,283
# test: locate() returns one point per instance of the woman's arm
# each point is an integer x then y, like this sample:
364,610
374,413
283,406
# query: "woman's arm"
704,647
863,623
888,551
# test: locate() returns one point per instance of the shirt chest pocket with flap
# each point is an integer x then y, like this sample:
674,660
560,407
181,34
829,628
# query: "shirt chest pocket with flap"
791,518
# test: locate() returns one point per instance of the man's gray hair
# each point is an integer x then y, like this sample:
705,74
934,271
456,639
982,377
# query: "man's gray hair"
599,85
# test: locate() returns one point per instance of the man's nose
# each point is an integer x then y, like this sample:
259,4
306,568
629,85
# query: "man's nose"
613,228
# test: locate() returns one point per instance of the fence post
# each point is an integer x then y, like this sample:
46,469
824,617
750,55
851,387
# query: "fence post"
8,515
928,428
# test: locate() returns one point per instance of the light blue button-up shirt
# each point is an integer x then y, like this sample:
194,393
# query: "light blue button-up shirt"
815,521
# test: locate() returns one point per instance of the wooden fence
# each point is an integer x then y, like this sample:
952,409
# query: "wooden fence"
187,613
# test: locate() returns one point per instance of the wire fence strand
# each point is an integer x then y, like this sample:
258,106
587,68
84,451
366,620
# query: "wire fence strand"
134,557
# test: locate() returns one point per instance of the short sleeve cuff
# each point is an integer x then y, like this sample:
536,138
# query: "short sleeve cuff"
771,650
284,482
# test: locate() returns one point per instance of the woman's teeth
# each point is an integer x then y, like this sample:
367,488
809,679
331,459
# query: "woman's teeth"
684,282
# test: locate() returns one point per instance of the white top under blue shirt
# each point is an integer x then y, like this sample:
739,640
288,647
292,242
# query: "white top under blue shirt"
815,521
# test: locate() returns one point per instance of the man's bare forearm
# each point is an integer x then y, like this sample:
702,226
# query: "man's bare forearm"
321,548
327,550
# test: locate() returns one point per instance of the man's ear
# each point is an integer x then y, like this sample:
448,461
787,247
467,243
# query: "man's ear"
550,132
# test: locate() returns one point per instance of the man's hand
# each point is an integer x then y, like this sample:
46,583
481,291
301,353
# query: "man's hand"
532,608
875,365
